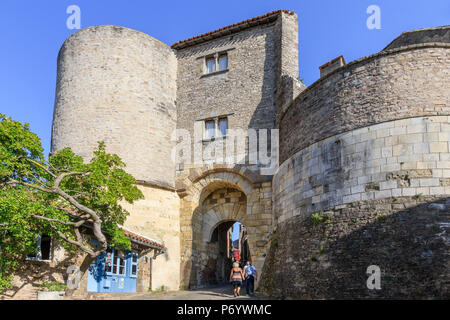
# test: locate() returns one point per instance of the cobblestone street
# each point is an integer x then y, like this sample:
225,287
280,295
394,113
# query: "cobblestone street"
223,292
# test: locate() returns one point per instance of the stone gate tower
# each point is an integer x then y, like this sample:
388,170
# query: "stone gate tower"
364,171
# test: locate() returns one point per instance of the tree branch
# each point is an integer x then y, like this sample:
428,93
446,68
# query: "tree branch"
67,223
29,185
40,166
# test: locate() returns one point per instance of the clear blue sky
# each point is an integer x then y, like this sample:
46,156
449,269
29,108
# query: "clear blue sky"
236,229
33,31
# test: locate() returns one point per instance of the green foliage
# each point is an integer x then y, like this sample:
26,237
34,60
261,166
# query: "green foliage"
316,218
46,196
159,289
274,244
382,218
52,286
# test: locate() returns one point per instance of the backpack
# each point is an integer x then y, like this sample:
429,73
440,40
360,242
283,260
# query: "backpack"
250,270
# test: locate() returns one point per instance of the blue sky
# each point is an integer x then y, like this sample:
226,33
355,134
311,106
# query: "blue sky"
236,229
33,31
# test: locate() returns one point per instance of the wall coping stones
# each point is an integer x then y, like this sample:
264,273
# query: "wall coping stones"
363,60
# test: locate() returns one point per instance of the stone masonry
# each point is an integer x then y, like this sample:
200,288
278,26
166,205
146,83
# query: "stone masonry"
364,170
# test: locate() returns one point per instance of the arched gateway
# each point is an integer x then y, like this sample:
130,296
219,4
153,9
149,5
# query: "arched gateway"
212,200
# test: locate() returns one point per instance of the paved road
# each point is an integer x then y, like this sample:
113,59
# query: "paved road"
223,292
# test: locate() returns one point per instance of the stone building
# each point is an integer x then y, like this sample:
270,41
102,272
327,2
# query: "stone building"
364,161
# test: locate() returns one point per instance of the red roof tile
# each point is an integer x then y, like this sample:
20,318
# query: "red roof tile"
266,18
143,239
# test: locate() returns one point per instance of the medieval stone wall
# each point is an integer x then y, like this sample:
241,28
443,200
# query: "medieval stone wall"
429,35
405,157
384,87
364,181
245,92
118,85
327,258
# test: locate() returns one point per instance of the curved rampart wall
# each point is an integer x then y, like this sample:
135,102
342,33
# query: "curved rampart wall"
410,82
365,181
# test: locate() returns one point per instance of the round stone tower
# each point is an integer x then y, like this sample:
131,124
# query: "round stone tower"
364,180
119,86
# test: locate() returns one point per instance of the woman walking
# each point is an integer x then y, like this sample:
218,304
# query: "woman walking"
236,277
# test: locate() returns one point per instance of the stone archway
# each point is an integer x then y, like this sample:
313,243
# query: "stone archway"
202,210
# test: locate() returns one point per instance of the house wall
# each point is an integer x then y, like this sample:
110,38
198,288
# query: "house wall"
157,216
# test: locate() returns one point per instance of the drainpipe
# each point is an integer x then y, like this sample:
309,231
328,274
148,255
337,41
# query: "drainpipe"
151,266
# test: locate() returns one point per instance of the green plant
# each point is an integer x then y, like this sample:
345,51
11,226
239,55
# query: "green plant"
58,196
52,286
417,196
317,218
313,259
160,289
274,244
321,251
382,217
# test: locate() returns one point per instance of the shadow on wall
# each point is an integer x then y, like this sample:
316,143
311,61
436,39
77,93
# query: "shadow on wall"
408,238
31,274
264,115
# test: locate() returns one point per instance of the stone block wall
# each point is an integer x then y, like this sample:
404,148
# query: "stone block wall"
387,86
407,157
364,181
408,239
118,85
429,35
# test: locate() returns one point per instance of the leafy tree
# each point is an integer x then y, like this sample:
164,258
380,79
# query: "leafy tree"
58,196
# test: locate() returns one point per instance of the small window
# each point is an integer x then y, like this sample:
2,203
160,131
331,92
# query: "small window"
210,65
223,62
223,126
119,263
43,249
134,264
210,128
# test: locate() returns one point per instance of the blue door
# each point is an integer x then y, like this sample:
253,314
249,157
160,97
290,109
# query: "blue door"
114,271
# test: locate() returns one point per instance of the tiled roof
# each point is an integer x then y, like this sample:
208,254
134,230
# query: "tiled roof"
142,239
266,18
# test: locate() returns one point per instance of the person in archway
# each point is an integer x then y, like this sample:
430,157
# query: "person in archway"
236,277
250,277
